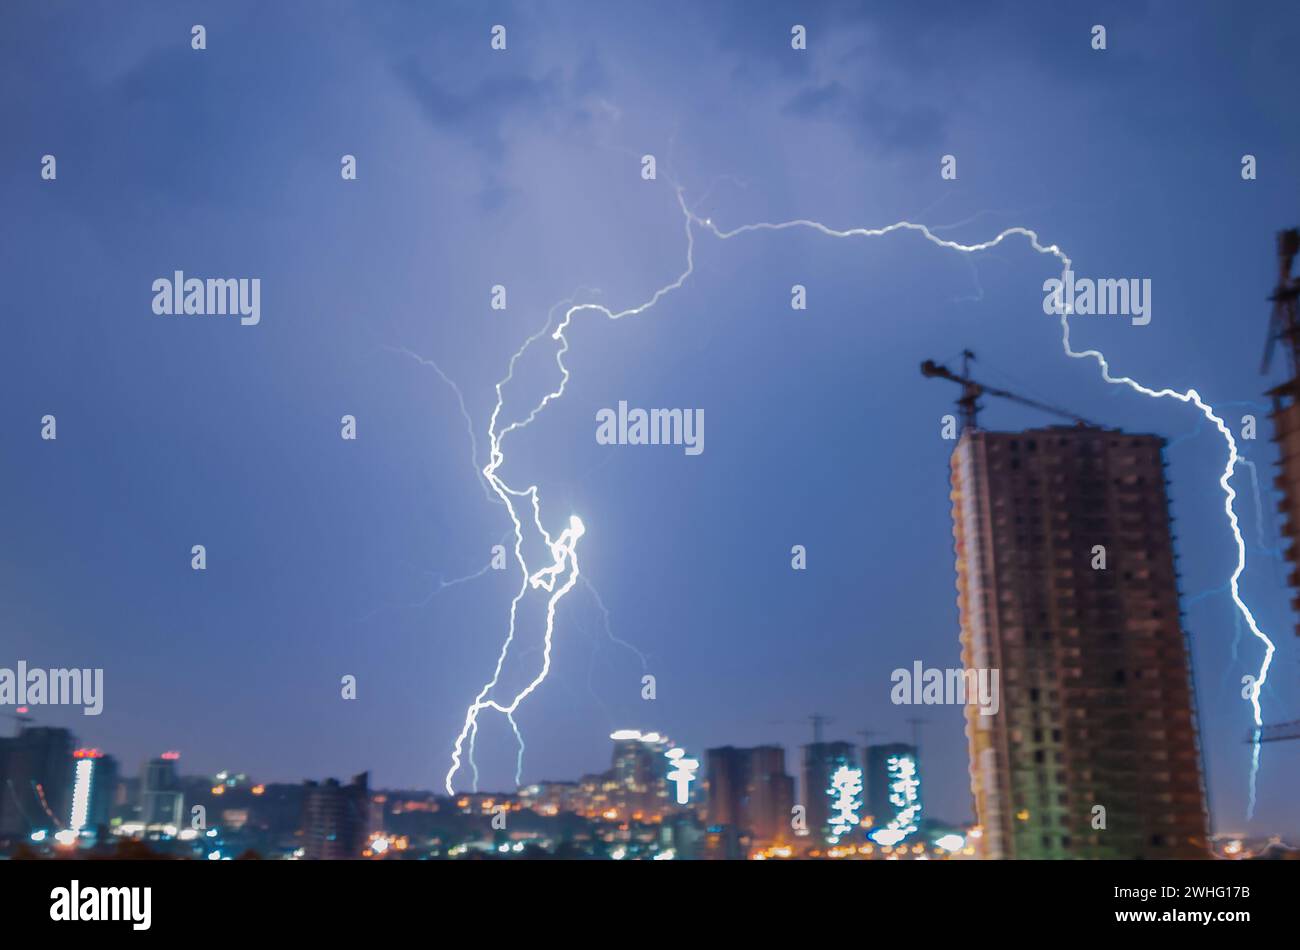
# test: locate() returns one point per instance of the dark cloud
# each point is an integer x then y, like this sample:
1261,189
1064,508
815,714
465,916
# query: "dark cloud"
482,113
879,120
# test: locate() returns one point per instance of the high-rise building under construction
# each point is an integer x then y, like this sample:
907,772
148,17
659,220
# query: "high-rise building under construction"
1066,584
1284,325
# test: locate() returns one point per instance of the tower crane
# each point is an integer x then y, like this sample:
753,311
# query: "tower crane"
1278,732
818,721
971,391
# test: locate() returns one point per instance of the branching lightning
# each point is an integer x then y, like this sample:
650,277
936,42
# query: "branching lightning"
1191,396
464,414
609,629
563,550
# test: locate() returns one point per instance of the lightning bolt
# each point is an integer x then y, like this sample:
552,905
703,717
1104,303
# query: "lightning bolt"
609,630
1229,494
563,549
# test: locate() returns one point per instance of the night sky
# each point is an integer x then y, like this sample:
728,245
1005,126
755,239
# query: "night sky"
523,168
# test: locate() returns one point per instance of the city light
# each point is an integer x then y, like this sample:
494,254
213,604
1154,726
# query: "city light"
887,836
683,773
846,784
81,793
904,796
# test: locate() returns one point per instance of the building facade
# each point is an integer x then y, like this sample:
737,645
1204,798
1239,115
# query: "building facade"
891,784
821,760
750,797
335,818
94,791
1066,584
162,800
37,781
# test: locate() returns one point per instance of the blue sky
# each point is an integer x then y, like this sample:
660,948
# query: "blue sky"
522,168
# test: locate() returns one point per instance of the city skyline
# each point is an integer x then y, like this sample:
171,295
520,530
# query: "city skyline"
742,805
740,808
517,177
